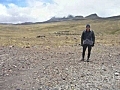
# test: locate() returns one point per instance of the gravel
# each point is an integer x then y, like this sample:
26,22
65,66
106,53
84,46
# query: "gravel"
49,68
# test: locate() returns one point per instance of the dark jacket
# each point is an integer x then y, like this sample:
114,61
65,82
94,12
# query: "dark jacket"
88,35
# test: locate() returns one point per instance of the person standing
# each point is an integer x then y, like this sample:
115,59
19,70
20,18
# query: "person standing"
87,41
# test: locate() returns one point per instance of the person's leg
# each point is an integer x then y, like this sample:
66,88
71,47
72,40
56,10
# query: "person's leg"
89,51
84,49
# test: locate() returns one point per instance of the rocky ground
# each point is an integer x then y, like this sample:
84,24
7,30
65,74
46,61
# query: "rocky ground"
49,68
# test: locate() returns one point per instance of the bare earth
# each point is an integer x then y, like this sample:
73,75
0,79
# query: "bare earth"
50,68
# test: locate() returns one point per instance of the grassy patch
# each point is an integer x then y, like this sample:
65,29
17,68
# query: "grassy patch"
59,33
115,31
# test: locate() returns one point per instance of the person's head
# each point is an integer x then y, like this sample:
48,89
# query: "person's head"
87,27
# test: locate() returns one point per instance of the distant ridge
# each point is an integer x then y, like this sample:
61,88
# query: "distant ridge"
68,18
90,17
93,16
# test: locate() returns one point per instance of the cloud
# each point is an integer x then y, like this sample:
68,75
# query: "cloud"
34,11
40,10
85,7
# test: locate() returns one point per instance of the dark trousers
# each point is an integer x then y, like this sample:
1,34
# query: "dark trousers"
89,51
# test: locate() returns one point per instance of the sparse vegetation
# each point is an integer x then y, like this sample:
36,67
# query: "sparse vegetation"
59,33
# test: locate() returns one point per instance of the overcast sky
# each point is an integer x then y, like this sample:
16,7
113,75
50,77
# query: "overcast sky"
17,11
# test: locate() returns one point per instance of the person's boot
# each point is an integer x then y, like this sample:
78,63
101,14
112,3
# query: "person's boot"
82,59
88,60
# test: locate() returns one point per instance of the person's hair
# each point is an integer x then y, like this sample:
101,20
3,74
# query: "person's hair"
88,25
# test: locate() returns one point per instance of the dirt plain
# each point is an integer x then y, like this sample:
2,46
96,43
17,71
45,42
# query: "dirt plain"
44,68
53,61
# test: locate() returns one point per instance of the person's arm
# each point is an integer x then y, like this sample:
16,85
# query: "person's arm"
93,38
82,39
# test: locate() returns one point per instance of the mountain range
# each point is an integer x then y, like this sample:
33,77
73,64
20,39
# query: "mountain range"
92,17
71,17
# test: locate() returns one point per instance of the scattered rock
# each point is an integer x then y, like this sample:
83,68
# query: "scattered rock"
14,66
104,69
27,46
50,69
116,74
17,89
63,78
39,88
11,46
40,37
